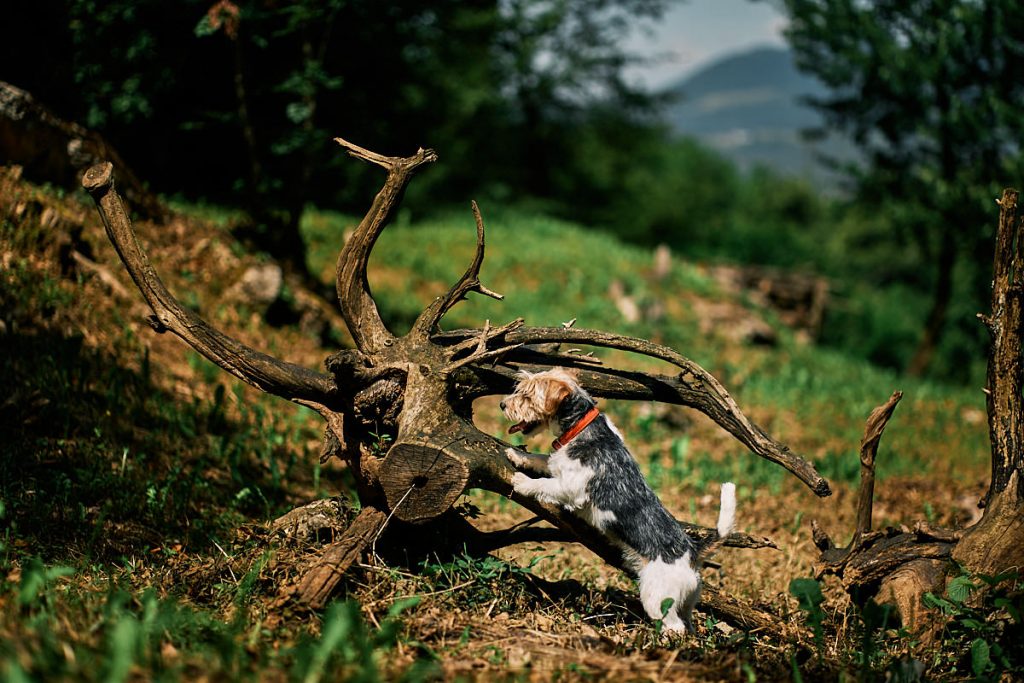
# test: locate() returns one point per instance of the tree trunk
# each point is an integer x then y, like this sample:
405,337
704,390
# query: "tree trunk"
900,566
996,543
936,321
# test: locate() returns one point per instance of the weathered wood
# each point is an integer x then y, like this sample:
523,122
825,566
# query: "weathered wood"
882,564
321,579
1005,369
492,540
357,305
996,543
469,282
421,480
904,586
873,431
900,567
57,151
308,522
871,563
738,613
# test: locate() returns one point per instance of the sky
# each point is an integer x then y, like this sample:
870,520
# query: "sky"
694,33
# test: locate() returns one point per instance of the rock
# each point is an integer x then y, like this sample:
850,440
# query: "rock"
259,286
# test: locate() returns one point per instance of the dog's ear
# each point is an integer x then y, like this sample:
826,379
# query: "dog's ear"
555,392
574,373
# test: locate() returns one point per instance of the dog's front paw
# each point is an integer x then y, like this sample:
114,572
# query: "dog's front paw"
521,483
516,457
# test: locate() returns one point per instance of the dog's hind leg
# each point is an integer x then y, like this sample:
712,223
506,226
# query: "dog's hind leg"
661,581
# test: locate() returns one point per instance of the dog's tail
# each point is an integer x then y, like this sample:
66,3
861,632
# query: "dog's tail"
726,520
727,510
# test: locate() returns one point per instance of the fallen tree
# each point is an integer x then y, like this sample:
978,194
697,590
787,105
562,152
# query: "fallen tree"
900,565
419,388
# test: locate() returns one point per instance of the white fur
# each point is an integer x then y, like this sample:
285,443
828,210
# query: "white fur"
596,517
727,510
679,580
567,485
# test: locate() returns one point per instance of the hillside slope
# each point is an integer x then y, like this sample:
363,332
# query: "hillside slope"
137,478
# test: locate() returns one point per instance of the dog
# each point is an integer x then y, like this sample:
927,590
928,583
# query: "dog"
591,473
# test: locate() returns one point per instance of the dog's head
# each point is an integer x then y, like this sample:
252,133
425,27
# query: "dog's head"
537,397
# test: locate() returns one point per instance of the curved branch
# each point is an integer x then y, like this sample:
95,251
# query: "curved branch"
492,540
469,282
270,374
694,387
357,305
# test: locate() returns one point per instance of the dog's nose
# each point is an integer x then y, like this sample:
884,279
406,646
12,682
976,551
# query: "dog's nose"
502,404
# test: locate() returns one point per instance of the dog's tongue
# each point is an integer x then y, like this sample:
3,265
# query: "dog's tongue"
517,427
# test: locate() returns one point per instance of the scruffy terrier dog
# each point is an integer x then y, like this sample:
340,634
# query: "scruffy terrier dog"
591,473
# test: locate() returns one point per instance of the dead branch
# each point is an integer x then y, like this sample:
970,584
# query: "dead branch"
493,540
357,305
876,423
469,282
994,545
415,393
321,579
688,389
274,376
834,559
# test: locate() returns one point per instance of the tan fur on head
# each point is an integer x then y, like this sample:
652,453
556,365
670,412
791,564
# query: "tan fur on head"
537,397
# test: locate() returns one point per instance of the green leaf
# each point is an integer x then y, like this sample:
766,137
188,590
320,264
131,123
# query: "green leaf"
204,28
999,578
959,589
35,577
807,592
980,659
402,604
666,605
935,602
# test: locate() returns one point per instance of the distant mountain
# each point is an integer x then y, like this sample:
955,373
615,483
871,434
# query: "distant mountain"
750,107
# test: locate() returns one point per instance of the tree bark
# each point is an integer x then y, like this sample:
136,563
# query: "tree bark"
996,543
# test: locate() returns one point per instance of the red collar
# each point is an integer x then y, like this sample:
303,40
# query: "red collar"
575,430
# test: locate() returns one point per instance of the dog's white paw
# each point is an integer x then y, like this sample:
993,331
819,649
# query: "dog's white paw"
515,457
521,482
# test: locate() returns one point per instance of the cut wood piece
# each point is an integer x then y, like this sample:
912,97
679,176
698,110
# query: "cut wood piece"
321,579
421,481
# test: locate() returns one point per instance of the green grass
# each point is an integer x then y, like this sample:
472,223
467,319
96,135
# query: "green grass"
550,271
121,632
816,399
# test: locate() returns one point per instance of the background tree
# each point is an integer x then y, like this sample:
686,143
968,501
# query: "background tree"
257,89
929,90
